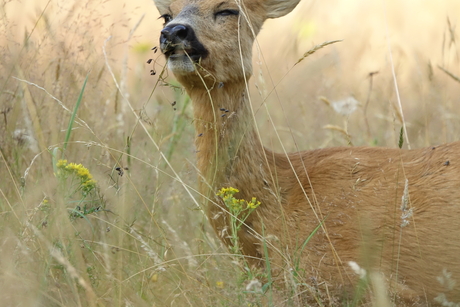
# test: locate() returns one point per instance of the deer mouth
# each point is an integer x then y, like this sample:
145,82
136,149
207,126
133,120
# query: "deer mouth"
181,47
180,53
183,59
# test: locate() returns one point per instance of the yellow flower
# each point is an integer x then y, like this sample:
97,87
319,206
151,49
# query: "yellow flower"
226,192
236,205
83,172
89,183
220,284
86,179
253,203
61,163
72,166
231,190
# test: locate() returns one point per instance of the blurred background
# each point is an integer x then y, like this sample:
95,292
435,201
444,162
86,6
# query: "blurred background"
55,45
146,239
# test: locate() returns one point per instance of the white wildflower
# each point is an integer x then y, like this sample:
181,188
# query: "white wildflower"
357,269
446,280
345,106
254,286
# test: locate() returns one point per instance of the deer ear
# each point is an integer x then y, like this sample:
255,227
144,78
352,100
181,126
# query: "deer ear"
278,8
162,5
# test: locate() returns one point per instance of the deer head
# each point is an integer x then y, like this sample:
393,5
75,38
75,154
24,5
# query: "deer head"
210,41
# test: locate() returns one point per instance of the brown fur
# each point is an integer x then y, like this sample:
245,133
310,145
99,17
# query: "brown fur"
356,191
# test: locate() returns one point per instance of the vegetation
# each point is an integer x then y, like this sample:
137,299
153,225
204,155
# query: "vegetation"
98,201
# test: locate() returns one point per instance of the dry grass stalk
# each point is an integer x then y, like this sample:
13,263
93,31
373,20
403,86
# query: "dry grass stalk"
316,48
449,74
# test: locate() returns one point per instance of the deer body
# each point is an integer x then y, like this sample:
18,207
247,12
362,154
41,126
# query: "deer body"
389,210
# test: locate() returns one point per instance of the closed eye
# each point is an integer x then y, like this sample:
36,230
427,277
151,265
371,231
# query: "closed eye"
167,18
227,13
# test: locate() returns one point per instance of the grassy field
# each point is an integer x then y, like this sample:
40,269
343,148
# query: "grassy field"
98,205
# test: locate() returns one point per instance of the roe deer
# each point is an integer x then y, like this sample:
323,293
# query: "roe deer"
392,211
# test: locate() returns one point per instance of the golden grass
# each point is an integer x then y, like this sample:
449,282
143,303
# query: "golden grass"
151,244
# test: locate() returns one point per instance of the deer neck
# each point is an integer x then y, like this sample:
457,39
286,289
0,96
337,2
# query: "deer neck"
229,151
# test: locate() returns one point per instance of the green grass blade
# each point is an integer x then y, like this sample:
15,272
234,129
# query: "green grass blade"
74,114
179,125
311,236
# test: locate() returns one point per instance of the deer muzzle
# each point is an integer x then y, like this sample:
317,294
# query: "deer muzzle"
179,42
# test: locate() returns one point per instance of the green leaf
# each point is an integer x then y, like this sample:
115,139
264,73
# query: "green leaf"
74,114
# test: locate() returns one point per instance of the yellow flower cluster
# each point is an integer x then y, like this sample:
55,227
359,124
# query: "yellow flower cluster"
227,191
86,179
254,203
234,204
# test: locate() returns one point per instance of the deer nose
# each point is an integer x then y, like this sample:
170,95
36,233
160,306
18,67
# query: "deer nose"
174,33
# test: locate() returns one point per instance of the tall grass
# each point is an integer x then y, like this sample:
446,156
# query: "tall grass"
149,243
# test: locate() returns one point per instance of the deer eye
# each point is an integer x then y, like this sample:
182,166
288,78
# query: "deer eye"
167,18
227,13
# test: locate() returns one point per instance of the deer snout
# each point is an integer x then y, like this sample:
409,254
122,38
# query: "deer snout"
173,33
179,40
174,38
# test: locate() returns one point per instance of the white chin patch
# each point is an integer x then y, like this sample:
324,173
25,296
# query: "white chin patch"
180,64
